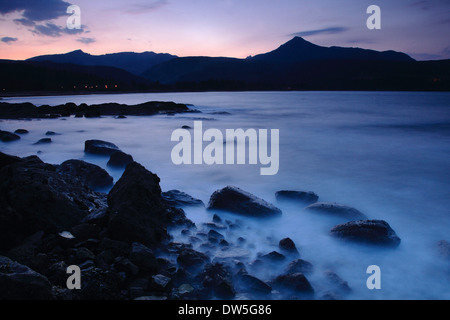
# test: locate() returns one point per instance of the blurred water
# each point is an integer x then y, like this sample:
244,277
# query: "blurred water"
386,154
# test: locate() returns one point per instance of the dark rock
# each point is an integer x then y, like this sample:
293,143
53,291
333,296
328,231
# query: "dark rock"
218,281
302,197
191,259
97,284
376,232
121,117
18,282
125,265
88,173
288,246
251,284
215,235
83,254
85,231
28,255
21,131
137,211
337,282
57,273
51,133
44,141
143,257
120,159
217,219
273,257
186,127
34,196
100,147
180,199
299,266
337,210
7,159
294,281
6,136
161,283
241,202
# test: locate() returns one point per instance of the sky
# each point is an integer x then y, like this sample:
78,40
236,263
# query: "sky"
231,28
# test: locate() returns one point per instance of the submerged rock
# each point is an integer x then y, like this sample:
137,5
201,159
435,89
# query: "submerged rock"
377,232
6,136
100,147
237,201
180,199
44,141
302,197
21,131
336,210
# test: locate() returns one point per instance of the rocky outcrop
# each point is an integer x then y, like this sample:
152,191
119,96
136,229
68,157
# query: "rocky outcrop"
238,201
90,174
377,232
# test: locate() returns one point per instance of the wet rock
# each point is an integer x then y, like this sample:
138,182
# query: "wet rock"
237,201
273,257
97,284
251,284
231,253
337,210
91,174
186,127
218,281
191,259
44,141
336,282
6,136
120,159
212,234
303,197
21,131
125,265
117,248
180,199
143,257
18,282
83,254
376,232
161,283
52,133
57,273
100,147
85,231
299,266
216,219
294,281
287,246
6,159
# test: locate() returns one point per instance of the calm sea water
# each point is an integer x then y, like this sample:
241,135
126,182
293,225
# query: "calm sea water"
386,154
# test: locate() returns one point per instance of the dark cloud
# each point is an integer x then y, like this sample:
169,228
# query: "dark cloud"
34,10
25,22
52,30
331,30
144,7
86,40
8,40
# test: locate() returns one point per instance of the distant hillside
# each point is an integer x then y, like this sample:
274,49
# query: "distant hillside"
135,63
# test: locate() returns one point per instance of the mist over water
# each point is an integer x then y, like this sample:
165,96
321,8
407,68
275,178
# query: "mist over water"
385,154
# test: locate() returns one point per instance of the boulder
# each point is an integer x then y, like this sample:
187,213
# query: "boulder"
44,141
217,280
336,210
136,209
180,199
6,136
6,159
303,197
293,281
18,282
377,232
287,246
251,284
21,131
191,259
237,201
299,266
100,147
143,257
120,159
90,174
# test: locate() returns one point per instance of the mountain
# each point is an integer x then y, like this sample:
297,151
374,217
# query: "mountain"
132,62
300,50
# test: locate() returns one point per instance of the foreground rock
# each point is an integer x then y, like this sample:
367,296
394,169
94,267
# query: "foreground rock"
18,282
120,159
6,136
180,199
90,174
100,147
302,197
237,201
137,211
336,210
376,232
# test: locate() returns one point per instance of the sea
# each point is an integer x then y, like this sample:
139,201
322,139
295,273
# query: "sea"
387,154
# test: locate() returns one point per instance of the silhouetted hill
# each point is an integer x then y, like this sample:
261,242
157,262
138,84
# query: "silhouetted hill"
132,62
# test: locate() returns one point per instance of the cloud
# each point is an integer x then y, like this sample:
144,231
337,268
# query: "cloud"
36,11
86,40
331,30
8,40
52,30
144,7
25,22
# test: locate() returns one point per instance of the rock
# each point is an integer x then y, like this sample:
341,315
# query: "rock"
51,133
121,117
85,231
337,210
231,253
294,281
44,141
21,131
100,147
120,159
117,248
143,257
273,257
215,235
288,246
125,265
376,232
136,209
6,136
218,281
180,199
6,159
302,197
90,174
18,282
186,127
161,282
191,259
299,266
241,202
217,219
97,284
251,284
444,249
336,282
34,196
185,288
83,254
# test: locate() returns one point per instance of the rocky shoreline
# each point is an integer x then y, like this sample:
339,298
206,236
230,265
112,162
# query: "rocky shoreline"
127,242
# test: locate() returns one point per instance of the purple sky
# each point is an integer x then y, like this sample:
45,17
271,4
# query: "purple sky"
233,28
